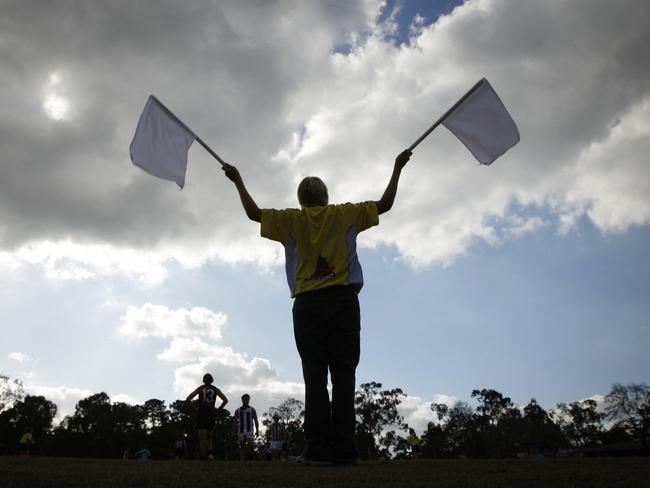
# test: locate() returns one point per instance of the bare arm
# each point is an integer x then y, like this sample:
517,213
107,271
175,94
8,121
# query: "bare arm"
387,199
193,394
224,400
253,212
257,425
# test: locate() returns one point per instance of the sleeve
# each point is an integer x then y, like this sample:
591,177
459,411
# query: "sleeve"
362,215
276,224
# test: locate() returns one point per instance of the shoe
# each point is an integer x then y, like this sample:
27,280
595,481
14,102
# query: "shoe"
210,457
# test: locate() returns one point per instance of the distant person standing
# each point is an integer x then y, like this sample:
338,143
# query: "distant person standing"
277,438
414,444
180,447
324,277
25,443
246,427
206,415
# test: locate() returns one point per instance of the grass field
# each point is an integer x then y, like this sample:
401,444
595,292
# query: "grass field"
58,472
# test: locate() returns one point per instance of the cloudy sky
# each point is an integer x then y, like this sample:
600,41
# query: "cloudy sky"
530,276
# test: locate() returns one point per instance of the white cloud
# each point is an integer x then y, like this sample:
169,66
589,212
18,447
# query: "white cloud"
123,398
20,357
64,397
417,411
151,320
233,372
612,182
571,75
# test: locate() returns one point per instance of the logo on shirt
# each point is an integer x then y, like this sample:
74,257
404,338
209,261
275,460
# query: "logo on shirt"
323,270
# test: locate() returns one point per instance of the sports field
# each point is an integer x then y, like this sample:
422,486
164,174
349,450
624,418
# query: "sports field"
58,472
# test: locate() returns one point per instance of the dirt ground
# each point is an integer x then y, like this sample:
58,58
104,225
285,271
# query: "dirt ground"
64,472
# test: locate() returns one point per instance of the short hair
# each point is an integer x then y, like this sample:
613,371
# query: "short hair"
312,192
207,379
245,395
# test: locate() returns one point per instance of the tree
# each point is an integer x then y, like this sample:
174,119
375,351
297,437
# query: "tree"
629,406
497,422
182,422
377,412
93,424
460,429
10,391
129,426
156,413
538,430
492,405
582,423
34,414
434,441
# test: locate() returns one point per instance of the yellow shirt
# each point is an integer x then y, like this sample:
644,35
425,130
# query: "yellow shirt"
320,243
26,438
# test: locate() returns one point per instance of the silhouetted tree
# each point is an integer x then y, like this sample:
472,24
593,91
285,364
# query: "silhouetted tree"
581,423
434,441
538,430
497,421
377,412
92,424
10,391
461,430
99,428
34,414
129,427
156,413
629,406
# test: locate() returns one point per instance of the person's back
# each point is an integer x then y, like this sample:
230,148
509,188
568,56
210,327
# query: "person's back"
320,243
207,396
324,277
246,427
25,443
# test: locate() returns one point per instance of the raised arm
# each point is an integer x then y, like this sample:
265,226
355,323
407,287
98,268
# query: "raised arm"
253,212
387,199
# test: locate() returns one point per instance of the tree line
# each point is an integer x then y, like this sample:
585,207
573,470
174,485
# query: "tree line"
492,427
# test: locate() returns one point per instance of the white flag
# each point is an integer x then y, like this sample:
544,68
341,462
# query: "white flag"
161,142
483,124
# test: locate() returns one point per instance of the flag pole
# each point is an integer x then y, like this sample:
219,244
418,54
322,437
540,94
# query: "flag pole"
441,119
198,139
207,148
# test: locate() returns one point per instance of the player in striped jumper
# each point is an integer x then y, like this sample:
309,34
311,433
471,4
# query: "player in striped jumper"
246,427
277,437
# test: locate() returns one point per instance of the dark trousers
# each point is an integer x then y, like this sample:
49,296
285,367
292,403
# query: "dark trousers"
326,325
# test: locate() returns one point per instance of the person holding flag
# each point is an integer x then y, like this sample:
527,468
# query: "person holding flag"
324,277
319,238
